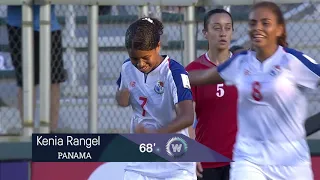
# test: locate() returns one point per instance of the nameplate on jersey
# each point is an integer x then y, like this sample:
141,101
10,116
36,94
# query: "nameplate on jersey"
159,87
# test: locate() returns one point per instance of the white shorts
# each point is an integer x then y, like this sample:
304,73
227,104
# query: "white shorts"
130,175
244,170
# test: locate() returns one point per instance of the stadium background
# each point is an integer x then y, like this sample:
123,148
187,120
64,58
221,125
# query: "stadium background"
303,23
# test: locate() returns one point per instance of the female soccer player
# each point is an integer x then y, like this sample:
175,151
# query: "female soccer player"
272,109
158,90
215,105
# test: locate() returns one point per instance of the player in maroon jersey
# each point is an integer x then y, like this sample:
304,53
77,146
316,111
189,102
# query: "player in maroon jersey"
215,105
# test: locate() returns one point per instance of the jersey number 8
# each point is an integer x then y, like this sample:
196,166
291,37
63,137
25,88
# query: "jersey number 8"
256,93
144,102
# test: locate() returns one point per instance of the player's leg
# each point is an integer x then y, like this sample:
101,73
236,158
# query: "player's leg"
225,174
244,170
220,173
58,76
302,171
211,173
15,44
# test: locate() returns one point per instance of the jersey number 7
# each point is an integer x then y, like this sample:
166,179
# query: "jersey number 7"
144,102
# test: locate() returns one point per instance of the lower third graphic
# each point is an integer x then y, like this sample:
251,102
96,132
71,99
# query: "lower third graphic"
176,147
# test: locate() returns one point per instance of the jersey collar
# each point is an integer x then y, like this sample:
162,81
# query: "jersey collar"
206,56
266,63
157,69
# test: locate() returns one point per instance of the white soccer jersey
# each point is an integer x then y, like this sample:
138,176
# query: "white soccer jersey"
153,98
272,108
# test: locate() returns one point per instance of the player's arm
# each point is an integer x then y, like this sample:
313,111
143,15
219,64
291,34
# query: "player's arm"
184,118
203,77
122,94
191,130
182,98
215,75
305,69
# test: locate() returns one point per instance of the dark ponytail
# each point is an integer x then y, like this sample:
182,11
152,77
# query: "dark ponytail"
282,40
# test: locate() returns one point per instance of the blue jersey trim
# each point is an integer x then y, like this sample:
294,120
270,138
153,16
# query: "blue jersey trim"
176,71
315,68
119,79
195,122
229,61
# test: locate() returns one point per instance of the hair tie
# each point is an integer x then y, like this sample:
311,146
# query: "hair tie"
148,19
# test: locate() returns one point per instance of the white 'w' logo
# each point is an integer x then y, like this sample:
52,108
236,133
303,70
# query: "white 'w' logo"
176,147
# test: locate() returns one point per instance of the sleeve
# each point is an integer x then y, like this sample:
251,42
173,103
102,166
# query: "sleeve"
121,82
179,82
190,67
229,70
306,71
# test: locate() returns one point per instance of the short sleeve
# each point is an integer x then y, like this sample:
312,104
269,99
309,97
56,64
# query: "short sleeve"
229,70
179,82
190,67
121,82
306,71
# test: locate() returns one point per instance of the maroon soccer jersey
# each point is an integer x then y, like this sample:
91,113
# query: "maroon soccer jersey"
216,111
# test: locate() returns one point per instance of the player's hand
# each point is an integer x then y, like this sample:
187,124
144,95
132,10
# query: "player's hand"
199,170
122,97
140,129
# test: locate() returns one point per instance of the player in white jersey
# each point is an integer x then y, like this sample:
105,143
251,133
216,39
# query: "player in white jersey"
272,109
158,90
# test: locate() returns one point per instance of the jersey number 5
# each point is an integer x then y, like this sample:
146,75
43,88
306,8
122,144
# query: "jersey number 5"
144,102
256,93
220,90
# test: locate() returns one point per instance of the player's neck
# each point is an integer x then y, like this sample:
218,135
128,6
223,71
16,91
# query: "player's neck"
218,56
265,53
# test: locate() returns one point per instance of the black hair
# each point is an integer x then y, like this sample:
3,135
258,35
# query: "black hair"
282,40
213,12
144,34
236,48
